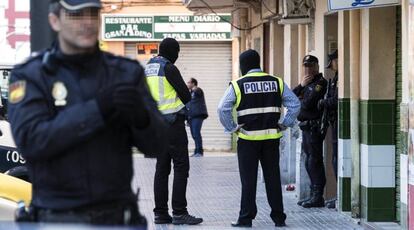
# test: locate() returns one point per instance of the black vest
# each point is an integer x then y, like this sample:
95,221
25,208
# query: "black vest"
259,101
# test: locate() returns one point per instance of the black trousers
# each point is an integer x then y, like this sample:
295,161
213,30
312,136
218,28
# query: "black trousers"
249,154
178,154
312,146
334,129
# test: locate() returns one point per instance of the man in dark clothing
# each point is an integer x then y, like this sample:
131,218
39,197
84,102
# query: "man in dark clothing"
310,91
330,103
258,99
171,94
75,114
196,114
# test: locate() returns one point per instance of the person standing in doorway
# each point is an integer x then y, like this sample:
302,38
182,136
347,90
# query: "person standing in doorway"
258,99
171,94
310,91
330,104
196,114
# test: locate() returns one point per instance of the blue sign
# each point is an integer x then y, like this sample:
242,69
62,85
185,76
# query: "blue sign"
335,5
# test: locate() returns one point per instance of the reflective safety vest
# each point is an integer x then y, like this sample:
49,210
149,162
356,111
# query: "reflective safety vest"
161,90
258,106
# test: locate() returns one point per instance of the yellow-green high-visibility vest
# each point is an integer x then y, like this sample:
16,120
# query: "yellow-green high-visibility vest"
258,106
161,90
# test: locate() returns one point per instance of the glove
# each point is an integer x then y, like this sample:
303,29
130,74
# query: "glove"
128,102
282,127
321,105
105,102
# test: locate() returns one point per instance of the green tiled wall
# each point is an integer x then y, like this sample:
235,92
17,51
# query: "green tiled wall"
344,118
378,204
377,121
344,194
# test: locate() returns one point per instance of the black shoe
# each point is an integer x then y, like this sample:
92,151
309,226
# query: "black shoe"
280,224
163,219
300,202
186,219
331,203
242,224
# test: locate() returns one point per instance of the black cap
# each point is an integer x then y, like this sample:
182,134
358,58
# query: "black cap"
332,56
74,5
310,59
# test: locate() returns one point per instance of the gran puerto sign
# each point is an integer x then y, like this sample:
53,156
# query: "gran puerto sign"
181,27
334,5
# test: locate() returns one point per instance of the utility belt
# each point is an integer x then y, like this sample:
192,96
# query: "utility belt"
122,214
310,125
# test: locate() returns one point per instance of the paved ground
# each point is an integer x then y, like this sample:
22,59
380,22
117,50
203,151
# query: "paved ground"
214,194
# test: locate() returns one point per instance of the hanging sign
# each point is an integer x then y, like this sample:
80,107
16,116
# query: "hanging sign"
334,5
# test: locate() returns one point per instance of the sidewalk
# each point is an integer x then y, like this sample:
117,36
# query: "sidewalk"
214,192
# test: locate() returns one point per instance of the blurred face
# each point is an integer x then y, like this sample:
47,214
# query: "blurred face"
311,69
77,30
190,84
334,65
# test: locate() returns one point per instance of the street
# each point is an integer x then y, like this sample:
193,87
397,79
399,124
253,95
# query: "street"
214,191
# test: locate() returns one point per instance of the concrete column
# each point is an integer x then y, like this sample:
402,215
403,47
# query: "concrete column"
354,31
276,62
288,142
344,126
302,51
302,178
243,24
377,114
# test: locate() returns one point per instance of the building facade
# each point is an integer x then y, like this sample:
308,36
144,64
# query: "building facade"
135,29
376,88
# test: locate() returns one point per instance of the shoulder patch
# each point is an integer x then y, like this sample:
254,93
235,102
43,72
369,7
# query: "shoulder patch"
318,88
17,92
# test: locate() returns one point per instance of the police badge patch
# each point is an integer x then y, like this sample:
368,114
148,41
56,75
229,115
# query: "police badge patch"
59,93
17,92
318,88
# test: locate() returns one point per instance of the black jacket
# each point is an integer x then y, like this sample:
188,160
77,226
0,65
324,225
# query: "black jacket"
331,101
197,106
309,97
74,157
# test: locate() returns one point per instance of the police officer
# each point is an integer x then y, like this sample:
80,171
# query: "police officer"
330,103
75,114
310,91
170,92
258,98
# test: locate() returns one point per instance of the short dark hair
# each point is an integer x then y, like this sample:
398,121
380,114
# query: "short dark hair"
194,81
54,8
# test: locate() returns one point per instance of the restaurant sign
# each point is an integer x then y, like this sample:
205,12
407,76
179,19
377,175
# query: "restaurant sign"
180,27
334,5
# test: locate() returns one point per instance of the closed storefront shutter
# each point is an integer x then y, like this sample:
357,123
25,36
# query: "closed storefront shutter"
211,65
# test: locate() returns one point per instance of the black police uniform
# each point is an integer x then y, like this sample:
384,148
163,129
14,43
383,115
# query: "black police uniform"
312,140
331,104
80,160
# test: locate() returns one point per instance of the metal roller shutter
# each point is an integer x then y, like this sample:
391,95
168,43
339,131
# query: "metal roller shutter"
211,65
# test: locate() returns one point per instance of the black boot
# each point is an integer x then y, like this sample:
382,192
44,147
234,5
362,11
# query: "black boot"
317,200
300,202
